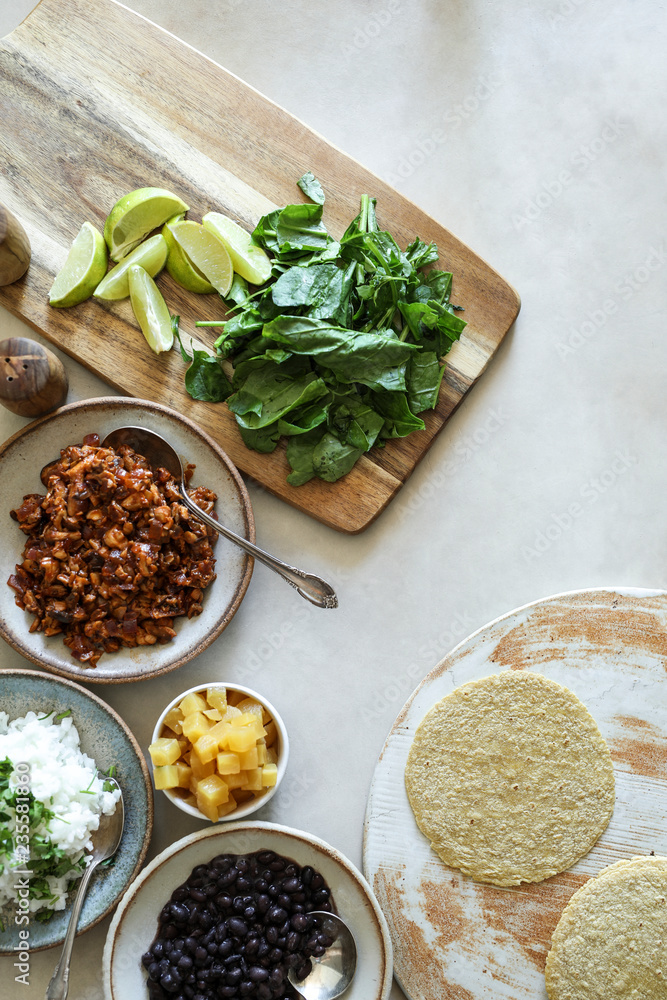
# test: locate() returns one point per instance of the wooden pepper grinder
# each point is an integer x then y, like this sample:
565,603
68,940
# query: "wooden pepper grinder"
14,248
33,380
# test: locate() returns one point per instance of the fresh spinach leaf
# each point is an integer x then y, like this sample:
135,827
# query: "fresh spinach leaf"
311,187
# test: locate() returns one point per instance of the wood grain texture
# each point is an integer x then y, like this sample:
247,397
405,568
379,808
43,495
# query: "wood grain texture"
98,101
457,939
33,381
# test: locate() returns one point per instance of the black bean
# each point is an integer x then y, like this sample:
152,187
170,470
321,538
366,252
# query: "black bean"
198,894
185,962
243,884
263,903
169,983
191,943
237,926
299,922
225,991
307,874
234,976
293,941
277,915
175,955
304,970
284,900
272,934
246,988
228,877
232,960
264,992
200,955
169,931
225,948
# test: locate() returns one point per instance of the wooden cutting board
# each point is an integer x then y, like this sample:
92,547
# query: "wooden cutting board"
96,101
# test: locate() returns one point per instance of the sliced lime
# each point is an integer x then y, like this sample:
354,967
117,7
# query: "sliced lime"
180,267
150,255
206,252
85,266
248,259
150,309
135,215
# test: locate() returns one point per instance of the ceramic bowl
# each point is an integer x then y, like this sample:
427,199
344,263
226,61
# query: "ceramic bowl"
135,922
282,743
106,738
21,459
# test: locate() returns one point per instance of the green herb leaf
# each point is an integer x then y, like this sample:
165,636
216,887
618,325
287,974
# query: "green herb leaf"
311,187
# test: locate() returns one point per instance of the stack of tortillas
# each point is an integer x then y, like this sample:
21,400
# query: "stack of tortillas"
510,778
611,940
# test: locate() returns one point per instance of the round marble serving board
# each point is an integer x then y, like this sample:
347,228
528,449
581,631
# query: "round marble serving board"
456,939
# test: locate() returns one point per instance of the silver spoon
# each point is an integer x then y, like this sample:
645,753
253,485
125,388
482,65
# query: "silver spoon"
334,971
105,844
159,452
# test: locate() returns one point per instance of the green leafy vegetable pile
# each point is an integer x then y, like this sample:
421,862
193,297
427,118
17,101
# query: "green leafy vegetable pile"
340,350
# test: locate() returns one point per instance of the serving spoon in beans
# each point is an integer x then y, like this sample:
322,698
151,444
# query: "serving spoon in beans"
159,453
333,972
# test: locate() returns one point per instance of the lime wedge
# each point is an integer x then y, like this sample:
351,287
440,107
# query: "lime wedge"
135,215
85,266
248,259
150,255
150,309
205,252
180,267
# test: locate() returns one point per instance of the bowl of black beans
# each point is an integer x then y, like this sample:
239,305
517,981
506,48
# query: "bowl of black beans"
236,926
231,911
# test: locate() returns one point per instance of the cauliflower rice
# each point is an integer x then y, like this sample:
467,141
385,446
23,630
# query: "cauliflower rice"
65,780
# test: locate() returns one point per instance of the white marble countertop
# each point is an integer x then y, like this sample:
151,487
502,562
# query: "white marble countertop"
535,133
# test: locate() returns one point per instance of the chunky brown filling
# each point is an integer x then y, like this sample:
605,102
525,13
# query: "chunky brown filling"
113,556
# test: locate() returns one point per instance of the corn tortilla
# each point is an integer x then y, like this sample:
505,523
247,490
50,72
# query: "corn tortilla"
611,940
510,778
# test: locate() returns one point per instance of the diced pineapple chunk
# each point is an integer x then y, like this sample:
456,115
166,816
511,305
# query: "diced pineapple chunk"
217,698
249,759
230,713
271,733
212,792
206,748
219,732
236,780
243,718
174,719
271,755
241,739
184,774
165,776
250,705
269,775
164,751
193,702
261,754
253,780
195,725
227,806
214,714
213,789
200,770
228,763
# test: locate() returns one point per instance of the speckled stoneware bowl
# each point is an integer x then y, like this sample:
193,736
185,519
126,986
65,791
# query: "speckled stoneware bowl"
135,922
21,459
104,737
282,748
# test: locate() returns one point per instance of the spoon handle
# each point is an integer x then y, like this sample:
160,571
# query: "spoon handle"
59,985
309,586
